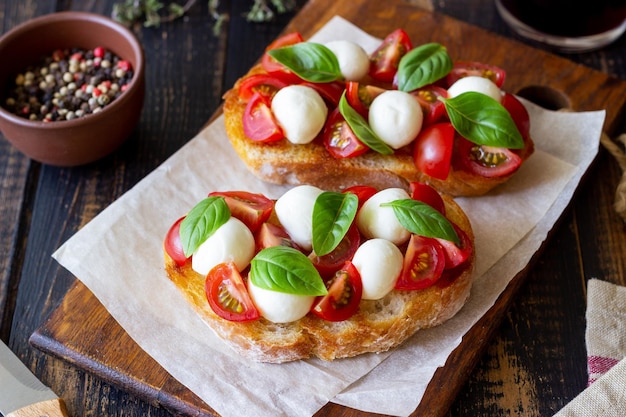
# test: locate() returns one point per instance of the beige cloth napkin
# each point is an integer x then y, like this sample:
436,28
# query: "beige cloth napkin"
606,354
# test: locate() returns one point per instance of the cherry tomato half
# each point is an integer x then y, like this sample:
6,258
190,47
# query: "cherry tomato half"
339,139
455,254
427,194
363,192
432,151
271,66
463,69
259,123
330,92
344,295
252,209
433,108
518,113
385,59
172,244
264,84
227,295
270,234
360,96
424,262
486,161
328,264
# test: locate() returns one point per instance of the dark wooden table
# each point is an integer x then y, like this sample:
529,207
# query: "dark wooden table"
533,366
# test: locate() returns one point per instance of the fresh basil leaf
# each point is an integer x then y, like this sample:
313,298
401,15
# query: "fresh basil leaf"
422,66
202,221
285,269
310,61
482,120
361,128
333,214
421,219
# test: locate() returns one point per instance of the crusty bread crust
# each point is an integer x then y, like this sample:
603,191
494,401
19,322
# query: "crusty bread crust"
377,327
285,163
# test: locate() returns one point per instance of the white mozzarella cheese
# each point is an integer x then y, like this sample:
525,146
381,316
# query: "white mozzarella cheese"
396,117
300,111
232,242
477,84
294,210
375,221
379,262
279,307
354,62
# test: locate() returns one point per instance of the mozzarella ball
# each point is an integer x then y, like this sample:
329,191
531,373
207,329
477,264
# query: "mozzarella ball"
294,210
300,111
354,62
279,307
379,263
375,221
396,117
231,242
475,83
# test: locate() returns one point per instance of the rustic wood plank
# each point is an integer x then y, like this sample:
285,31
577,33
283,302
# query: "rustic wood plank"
586,90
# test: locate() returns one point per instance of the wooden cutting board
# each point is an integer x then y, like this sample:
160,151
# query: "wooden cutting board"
82,332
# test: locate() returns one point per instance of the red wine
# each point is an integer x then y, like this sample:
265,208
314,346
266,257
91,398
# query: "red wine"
569,18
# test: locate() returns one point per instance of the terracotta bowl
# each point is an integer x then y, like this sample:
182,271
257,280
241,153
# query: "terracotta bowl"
80,140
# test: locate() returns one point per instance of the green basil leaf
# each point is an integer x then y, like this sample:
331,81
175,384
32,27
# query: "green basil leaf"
362,129
285,269
422,66
310,61
482,120
333,214
421,219
202,221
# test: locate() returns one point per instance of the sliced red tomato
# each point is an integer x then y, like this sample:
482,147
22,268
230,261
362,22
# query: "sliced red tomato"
270,234
518,113
424,263
432,151
339,139
259,123
330,92
385,59
264,84
486,161
360,96
455,254
427,194
328,264
344,295
227,294
363,192
433,108
252,209
271,66
172,244
463,69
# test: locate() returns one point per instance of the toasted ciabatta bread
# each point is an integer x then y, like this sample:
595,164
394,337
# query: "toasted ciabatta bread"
283,162
376,327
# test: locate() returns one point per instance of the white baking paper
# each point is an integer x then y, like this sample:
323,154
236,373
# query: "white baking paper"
510,224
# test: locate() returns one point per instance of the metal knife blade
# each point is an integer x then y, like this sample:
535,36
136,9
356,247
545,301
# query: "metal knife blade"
20,389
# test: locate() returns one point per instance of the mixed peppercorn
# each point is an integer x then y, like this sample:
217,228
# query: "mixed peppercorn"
69,84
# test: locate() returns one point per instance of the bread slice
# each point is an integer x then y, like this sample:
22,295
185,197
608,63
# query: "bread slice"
285,163
377,327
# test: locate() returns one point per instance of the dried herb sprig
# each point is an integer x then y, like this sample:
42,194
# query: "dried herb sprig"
153,12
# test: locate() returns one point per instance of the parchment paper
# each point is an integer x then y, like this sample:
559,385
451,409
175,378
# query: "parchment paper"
130,281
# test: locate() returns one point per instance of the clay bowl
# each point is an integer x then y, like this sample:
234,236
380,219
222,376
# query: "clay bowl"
80,140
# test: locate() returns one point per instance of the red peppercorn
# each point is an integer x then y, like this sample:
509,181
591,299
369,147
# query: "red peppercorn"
96,92
124,65
58,55
98,52
77,56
